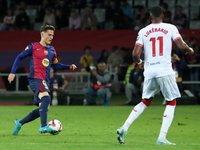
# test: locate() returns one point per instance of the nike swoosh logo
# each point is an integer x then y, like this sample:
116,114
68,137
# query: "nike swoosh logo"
134,110
164,115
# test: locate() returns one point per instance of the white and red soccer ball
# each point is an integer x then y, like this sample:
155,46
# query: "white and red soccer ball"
56,125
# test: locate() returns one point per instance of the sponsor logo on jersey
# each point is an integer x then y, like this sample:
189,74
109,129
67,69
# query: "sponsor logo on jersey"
38,49
156,63
45,62
45,84
45,52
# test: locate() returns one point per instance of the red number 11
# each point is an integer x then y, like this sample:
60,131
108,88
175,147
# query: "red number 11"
160,38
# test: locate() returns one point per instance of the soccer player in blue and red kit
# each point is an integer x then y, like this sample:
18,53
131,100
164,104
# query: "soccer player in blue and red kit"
42,57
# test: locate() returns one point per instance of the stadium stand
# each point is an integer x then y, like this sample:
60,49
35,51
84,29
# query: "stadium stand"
140,3
152,3
194,24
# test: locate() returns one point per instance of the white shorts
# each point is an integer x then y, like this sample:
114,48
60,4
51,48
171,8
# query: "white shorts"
166,84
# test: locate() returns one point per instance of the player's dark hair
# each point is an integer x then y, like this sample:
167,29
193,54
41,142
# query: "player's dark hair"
156,11
46,27
87,47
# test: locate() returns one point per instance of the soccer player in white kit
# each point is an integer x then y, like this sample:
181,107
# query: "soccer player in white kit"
156,40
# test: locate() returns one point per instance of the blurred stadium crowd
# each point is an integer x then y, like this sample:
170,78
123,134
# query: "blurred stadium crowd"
110,15
95,14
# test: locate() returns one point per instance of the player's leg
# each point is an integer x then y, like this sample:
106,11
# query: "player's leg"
170,92
166,123
43,109
33,114
149,90
136,112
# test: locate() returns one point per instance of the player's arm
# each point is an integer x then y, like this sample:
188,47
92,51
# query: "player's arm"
183,46
60,66
136,53
137,50
179,41
17,61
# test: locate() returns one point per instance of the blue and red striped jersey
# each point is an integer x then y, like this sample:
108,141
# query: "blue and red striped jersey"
41,59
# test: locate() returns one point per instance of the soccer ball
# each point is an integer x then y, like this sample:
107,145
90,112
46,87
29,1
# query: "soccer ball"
56,125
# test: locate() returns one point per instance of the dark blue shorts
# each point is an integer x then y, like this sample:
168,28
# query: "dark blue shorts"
38,85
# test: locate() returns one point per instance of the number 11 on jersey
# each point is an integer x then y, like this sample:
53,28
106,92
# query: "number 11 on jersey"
160,39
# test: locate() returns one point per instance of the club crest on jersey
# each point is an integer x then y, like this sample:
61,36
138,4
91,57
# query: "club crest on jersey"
45,52
45,85
45,62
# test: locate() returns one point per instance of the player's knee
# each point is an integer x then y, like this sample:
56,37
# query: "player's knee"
171,103
42,94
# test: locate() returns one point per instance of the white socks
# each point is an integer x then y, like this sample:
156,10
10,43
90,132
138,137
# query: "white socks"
137,110
167,120
167,117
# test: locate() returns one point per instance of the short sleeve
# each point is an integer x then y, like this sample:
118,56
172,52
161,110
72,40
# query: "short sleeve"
28,50
175,33
139,40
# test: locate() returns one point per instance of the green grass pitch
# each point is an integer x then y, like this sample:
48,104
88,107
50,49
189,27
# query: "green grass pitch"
94,128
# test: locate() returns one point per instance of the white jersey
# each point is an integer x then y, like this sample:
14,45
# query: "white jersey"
156,40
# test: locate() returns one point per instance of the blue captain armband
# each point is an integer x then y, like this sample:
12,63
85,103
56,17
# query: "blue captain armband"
17,62
60,66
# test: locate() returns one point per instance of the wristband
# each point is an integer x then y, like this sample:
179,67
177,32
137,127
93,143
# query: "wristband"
140,62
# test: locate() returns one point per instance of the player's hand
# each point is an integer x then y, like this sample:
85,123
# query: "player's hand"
11,77
72,67
141,66
190,52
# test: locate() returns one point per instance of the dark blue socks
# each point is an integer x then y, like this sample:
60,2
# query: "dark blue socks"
31,116
43,110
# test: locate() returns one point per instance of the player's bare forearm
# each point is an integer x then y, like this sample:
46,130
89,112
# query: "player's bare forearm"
187,49
183,46
136,58
136,53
